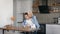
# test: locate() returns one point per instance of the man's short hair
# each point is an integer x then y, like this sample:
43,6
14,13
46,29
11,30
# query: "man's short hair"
25,13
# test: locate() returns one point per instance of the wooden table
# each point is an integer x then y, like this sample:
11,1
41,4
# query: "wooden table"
14,28
21,29
3,29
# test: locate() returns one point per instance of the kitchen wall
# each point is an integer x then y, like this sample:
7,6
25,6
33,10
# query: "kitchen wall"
47,18
21,6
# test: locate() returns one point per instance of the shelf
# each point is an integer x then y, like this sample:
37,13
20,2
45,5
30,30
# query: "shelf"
54,4
35,12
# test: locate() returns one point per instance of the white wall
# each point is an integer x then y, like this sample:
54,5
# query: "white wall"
6,11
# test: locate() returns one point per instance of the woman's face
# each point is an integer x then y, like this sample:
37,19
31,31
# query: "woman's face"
30,14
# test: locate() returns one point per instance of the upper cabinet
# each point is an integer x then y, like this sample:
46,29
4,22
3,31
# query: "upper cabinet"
36,3
54,5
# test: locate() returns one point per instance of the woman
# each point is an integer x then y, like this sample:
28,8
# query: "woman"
34,19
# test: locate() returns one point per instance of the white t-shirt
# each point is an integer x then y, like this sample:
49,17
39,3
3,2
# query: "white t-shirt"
30,23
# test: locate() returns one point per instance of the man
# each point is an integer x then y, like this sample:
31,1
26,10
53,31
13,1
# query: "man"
32,20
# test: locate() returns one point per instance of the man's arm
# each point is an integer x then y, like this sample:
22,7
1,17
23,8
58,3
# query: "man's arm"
25,27
36,22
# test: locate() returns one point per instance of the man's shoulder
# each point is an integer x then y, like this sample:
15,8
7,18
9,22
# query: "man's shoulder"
33,16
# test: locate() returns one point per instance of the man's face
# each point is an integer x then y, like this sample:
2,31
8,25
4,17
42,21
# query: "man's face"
26,17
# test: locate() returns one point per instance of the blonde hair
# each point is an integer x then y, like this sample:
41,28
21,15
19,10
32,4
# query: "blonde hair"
30,12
